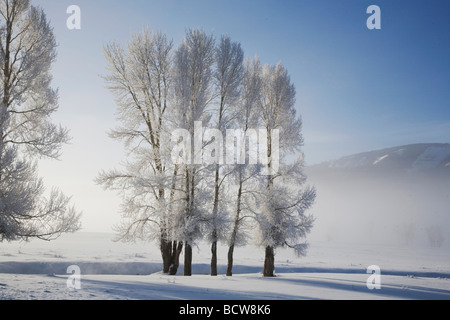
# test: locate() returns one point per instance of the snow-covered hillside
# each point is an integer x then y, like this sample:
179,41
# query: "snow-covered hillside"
415,157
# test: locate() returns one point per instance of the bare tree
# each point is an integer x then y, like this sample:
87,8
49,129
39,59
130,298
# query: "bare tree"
435,235
27,50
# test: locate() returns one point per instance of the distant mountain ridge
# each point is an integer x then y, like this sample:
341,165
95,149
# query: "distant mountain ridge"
409,158
389,195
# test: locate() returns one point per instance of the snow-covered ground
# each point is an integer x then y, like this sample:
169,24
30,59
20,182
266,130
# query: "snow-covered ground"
112,270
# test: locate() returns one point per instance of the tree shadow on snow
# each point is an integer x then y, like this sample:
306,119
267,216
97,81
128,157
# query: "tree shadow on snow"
389,291
134,290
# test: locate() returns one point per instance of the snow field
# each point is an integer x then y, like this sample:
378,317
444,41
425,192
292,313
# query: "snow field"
37,271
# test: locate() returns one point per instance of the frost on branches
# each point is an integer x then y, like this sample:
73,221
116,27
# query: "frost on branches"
161,89
27,50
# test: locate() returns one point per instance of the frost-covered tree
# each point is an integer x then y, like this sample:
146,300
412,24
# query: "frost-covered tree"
175,108
193,94
140,78
159,90
247,173
282,215
229,58
27,101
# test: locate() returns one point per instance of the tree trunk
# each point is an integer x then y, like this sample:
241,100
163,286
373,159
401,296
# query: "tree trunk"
214,258
269,262
214,232
166,253
235,229
230,260
175,258
175,247
188,260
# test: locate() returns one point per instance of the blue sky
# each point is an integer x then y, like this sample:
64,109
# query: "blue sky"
357,89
